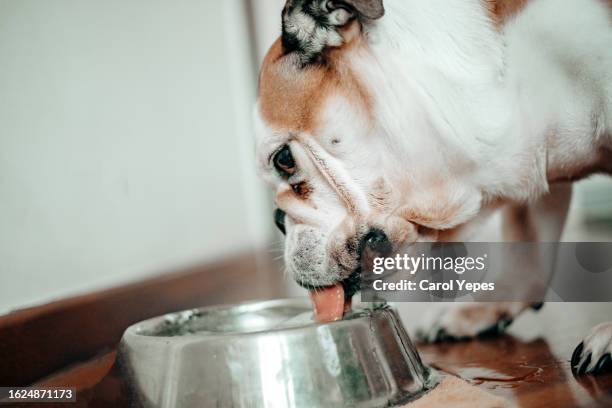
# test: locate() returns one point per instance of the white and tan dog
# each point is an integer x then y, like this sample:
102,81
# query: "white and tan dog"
381,124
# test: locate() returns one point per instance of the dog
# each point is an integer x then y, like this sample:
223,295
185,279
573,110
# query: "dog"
381,123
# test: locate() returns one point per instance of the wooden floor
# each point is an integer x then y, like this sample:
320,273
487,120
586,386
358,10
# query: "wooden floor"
529,366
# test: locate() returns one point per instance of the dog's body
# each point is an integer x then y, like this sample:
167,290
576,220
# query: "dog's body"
421,122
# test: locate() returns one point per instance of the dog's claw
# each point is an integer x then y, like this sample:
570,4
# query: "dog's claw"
442,335
593,355
580,360
603,364
581,364
584,366
434,336
576,355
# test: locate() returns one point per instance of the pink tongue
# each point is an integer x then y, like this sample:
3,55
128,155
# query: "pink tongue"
329,303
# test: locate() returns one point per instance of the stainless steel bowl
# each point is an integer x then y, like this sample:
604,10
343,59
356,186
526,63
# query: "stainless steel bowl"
271,354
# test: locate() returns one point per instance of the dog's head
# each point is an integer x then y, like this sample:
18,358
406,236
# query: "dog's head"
343,182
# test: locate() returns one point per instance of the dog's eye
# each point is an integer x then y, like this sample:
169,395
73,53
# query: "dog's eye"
284,162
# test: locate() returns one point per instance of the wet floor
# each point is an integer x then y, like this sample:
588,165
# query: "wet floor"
530,365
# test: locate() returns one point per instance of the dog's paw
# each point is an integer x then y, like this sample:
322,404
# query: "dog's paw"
594,354
468,320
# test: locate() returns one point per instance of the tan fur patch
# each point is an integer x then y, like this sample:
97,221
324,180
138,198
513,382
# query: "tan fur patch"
291,97
502,10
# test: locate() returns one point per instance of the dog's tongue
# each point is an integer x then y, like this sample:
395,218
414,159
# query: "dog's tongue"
329,303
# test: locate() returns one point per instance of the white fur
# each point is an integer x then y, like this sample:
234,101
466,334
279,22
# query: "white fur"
461,94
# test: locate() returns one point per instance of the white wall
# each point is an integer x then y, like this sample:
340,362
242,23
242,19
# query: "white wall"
125,144
267,16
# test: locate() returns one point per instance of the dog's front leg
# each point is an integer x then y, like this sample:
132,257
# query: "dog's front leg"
543,221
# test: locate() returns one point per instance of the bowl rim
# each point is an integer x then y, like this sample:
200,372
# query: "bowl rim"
136,331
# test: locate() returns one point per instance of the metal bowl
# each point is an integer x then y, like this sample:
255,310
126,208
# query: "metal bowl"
271,354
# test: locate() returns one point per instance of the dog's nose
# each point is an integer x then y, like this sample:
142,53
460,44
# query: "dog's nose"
279,220
377,241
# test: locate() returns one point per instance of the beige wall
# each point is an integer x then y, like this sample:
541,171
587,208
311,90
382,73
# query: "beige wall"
125,145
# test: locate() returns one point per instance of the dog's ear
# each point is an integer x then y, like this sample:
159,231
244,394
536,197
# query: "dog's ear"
341,12
312,26
370,9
